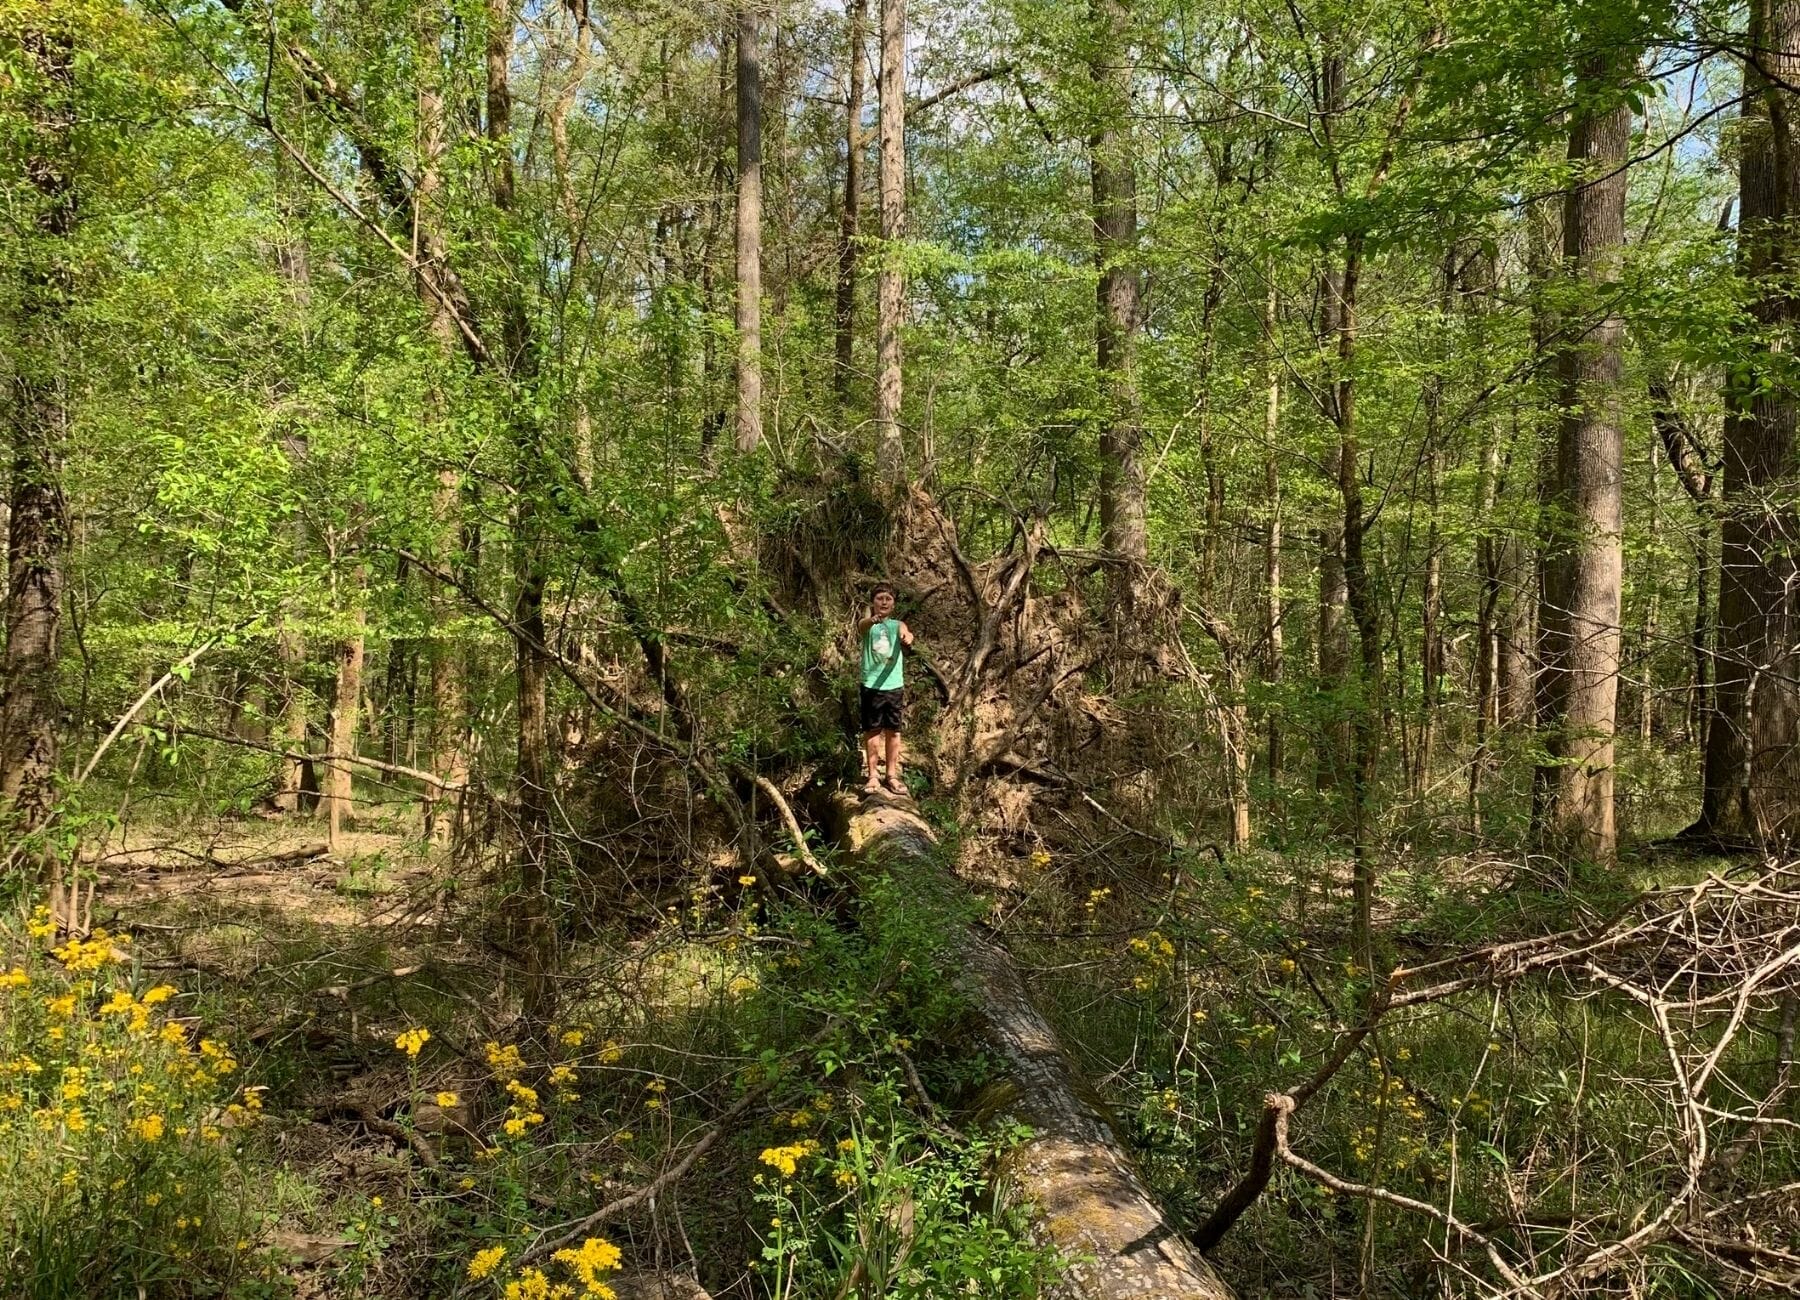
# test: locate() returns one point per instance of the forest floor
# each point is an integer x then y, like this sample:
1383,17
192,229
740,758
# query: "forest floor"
312,963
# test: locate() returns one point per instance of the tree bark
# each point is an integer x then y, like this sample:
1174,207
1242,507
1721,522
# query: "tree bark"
448,722
531,771
1113,177
338,798
1751,788
1073,1174
1579,612
38,531
850,219
890,289
749,229
1272,622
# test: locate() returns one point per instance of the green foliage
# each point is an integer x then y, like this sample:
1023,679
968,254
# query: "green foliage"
122,1167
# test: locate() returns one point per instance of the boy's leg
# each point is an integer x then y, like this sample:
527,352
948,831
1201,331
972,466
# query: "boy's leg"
872,759
893,759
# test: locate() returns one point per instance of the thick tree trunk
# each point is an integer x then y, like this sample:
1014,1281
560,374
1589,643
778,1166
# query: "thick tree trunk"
850,219
1752,785
1113,176
1073,1174
890,287
1579,614
38,529
749,229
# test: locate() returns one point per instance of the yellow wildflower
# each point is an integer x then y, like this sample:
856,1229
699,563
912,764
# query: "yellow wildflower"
447,1099
486,1261
16,978
595,1257
63,1006
529,1285
526,1096
412,1040
561,1074
505,1062
746,881
161,993
786,1159
573,1038
611,1052
514,1127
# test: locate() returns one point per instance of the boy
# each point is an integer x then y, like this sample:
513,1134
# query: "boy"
883,694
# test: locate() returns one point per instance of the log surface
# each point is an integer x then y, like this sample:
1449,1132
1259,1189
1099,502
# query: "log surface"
1085,1195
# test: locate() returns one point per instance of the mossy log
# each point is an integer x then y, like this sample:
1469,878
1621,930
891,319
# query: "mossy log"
1085,1195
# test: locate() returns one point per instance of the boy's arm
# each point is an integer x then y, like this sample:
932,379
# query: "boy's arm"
906,636
863,625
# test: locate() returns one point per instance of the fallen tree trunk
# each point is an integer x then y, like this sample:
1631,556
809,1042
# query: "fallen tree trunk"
1086,1197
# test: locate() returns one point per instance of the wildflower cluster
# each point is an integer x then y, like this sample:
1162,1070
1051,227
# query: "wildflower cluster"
583,1267
1393,1131
115,1120
787,1159
1154,956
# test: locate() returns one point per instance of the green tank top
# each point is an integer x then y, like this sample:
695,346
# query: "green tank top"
882,669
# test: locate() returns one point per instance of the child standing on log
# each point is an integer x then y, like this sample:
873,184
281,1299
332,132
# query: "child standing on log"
883,696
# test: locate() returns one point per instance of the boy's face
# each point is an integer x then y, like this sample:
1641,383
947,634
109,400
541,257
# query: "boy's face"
882,604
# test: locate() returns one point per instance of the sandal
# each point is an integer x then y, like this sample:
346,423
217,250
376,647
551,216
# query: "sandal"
896,786
871,786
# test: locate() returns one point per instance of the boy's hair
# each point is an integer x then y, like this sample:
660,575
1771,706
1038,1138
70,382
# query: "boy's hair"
881,587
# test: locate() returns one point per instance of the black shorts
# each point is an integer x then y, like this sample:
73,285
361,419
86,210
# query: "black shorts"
883,710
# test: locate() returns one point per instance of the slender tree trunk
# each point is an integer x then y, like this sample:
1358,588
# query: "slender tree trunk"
1700,698
449,722
531,771
295,267
749,229
1579,616
1272,621
338,797
1431,637
1751,787
1360,596
890,288
1490,544
849,220
1113,175
38,527
1652,606
1331,644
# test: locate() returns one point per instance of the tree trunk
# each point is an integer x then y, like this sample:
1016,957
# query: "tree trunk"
1360,596
38,531
1751,789
849,220
338,798
531,772
1579,613
890,289
1113,174
448,722
1272,630
749,229
1652,606
1073,1176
